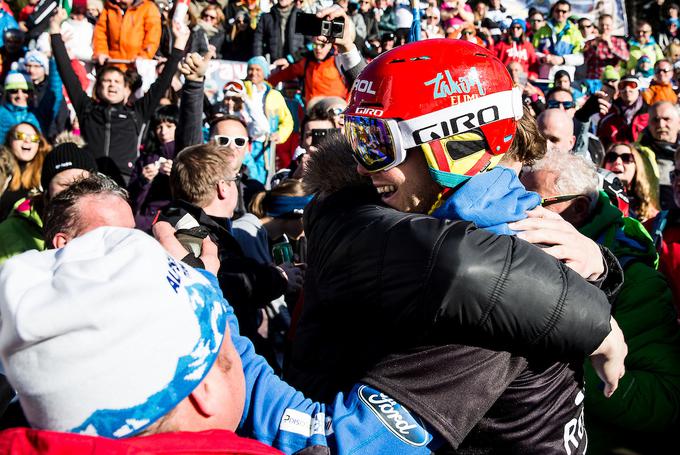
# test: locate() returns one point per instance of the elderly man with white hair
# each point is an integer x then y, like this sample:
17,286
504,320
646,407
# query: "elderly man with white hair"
644,411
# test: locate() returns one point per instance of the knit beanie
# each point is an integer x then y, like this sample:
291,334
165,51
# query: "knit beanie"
17,80
63,157
108,334
262,63
521,22
37,57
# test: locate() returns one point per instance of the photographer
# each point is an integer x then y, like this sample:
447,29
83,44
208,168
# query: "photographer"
321,72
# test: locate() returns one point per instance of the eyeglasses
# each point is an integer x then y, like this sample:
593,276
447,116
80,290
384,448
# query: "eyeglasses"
226,141
14,91
663,70
21,136
516,27
236,178
554,104
626,158
557,199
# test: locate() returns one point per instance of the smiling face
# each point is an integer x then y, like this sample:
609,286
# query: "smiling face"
407,187
112,87
18,97
25,143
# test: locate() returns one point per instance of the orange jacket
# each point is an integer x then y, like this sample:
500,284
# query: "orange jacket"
658,92
321,78
137,33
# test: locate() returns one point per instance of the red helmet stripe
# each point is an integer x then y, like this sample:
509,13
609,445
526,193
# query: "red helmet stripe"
440,155
480,164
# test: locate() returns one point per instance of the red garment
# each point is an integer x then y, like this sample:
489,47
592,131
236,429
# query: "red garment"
669,260
5,6
598,54
523,53
614,128
321,78
26,441
25,12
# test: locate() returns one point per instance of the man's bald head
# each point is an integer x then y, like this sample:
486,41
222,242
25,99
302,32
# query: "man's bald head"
558,128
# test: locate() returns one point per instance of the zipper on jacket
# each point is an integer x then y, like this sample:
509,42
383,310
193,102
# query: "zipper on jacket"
107,130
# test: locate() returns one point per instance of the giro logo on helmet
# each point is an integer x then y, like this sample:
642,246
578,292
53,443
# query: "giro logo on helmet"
462,123
364,86
370,111
444,85
394,416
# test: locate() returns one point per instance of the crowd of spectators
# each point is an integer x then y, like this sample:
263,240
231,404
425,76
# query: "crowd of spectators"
87,143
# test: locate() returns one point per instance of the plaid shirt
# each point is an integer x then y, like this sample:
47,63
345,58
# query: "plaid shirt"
597,54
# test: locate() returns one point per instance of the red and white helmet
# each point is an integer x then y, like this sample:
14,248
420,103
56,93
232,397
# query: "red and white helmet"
453,99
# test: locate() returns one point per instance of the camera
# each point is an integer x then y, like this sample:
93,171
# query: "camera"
318,134
310,25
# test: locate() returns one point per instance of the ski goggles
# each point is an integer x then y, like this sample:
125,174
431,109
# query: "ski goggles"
380,144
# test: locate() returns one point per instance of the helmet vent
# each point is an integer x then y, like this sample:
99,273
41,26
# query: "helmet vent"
479,54
412,59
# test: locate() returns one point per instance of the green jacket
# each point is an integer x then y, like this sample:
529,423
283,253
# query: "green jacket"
21,231
648,397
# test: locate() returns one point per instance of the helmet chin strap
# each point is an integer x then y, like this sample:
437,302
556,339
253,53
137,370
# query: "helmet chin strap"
447,179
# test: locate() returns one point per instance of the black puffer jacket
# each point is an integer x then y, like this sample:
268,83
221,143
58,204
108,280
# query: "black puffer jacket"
380,282
267,38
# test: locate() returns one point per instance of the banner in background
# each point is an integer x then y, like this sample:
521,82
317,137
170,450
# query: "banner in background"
219,73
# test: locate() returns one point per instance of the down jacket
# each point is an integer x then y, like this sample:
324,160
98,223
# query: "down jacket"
648,399
395,281
128,34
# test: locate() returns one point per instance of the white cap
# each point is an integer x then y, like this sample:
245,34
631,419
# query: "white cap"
108,334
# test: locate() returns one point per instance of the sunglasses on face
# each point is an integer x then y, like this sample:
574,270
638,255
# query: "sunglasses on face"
208,16
554,104
226,141
467,32
626,158
21,136
236,178
664,70
562,11
14,91
557,199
